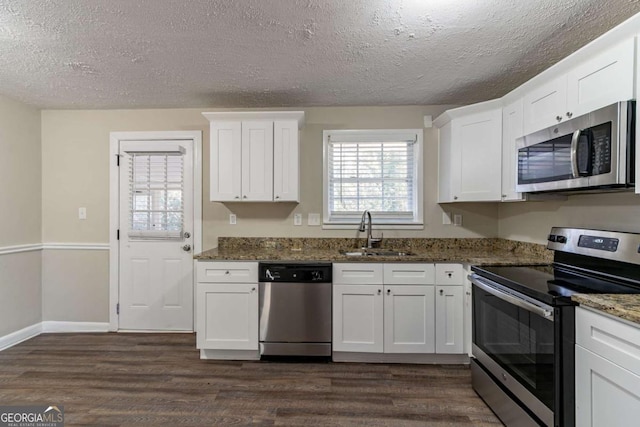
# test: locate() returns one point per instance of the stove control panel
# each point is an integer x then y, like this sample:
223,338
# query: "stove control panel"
600,243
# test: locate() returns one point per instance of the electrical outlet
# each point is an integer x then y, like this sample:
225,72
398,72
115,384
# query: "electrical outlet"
82,213
232,219
446,218
313,219
457,220
297,219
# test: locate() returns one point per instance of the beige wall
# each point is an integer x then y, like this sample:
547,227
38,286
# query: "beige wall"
20,215
76,173
531,221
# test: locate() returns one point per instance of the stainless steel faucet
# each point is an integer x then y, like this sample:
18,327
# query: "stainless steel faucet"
371,241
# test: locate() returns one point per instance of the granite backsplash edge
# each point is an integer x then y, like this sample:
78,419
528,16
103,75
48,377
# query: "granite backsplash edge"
490,244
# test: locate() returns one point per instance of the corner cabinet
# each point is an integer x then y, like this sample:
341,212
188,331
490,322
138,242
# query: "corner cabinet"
254,156
511,130
607,370
395,312
227,310
470,152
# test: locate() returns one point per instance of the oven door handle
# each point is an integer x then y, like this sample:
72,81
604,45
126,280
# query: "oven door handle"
541,311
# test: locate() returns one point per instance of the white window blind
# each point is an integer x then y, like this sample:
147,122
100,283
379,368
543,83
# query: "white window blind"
156,191
375,172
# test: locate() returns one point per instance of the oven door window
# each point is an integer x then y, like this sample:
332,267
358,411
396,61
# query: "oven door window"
546,161
520,341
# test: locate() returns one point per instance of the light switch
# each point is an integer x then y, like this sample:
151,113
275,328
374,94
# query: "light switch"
82,213
446,218
297,219
457,220
313,219
232,219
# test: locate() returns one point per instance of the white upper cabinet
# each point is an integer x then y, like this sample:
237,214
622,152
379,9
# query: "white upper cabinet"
470,153
545,105
512,129
603,80
286,164
257,160
255,156
597,81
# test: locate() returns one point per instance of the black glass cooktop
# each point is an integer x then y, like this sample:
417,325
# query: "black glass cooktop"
553,284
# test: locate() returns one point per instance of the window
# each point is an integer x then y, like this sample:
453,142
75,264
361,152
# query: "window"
375,170
155,183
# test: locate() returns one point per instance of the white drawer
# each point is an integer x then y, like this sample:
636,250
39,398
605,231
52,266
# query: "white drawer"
357,273
614,340
409,274
449,274
227,272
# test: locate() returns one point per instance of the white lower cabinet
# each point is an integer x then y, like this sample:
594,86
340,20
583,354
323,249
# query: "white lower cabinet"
399,310
227,309
358,318
607,371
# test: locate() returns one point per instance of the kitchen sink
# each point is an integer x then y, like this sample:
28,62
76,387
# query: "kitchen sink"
375,252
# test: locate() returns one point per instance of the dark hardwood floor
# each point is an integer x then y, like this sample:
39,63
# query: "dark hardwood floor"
158,379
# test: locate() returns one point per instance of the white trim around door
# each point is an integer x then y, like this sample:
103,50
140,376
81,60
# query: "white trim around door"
114,208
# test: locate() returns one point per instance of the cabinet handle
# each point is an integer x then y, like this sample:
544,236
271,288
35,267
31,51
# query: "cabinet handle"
226,272
237,197
277,197
569,114
559,118
253,289
455,197
449,274
441,292
388,291
244,197
379,291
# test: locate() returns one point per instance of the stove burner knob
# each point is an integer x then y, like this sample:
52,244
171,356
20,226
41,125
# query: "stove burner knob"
551,238
561,239
315,275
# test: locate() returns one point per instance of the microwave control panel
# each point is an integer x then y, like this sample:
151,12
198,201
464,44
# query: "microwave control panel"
601,153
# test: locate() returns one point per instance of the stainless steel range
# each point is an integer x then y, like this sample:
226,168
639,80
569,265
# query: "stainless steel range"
524,323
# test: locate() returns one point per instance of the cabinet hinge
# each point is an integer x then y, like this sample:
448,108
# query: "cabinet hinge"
117,159
118,308
118,235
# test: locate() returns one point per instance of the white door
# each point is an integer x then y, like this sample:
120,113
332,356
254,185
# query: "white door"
156,235
257,160
545,105
228,316
226,161
286,161
358,318
409,319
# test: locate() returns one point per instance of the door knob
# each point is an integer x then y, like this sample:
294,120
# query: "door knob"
186,234
186,248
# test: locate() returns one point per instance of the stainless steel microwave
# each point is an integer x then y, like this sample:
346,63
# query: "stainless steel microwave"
595,151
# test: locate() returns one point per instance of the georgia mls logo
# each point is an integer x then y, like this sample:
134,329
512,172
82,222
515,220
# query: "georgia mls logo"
31,416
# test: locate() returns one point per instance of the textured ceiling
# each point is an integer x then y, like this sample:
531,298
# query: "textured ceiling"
275,53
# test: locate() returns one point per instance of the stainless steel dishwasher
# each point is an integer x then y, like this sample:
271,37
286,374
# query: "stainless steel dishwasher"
295,309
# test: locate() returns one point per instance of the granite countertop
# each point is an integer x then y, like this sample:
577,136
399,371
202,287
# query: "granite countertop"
472,251
624,306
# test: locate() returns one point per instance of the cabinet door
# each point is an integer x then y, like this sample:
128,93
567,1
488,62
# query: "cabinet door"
226,161
445,163
476,154
409,320
511,130
358,318
606,394
449,319
545,105
286,182
602,80
227,317
257,160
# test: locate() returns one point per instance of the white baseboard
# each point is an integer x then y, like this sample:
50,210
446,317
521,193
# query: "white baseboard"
18,336
51,326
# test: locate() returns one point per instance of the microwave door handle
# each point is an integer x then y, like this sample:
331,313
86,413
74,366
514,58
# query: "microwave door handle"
540,311
574,154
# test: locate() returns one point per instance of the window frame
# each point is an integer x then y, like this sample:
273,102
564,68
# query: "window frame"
350,222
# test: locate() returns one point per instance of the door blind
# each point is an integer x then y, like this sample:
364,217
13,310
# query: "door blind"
374,176
156,195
